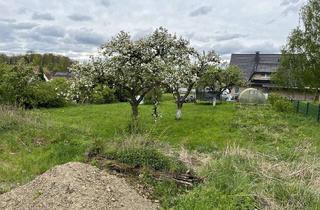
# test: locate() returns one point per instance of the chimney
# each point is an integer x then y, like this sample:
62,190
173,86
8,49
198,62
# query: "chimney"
257,58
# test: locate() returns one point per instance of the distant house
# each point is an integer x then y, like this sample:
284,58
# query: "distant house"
62,74
257,70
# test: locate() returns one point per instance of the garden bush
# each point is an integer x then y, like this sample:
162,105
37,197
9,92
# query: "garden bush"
47,94
102,95
150,158
15,82
137,151
21,85
280,103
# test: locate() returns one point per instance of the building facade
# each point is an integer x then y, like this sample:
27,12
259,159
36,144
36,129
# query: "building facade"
257,69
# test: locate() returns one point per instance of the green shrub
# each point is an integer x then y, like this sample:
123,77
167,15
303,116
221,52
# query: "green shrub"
47,94
137,151
15,82
102,95
21,86
149,158
280,103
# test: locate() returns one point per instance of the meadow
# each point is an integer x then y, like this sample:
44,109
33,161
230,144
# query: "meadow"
259,158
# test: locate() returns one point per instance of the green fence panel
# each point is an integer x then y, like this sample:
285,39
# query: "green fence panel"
313,111
308,109
318,118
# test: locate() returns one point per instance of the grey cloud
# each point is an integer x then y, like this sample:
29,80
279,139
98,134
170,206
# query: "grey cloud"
264,47
11,47
7,20
140,33
87,37
140,17
79,17
201,11
228,48
226,37
202,38
198,37
290,9
290,6
22,11
52,31
105,3
40,39
219,37
24,25
42,16
271,21
238,47
66,45
6,32
287,7
288,2
43,46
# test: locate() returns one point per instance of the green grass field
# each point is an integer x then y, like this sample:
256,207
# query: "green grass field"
260,158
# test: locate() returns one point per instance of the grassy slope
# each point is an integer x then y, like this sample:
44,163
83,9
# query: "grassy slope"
202,126
62,135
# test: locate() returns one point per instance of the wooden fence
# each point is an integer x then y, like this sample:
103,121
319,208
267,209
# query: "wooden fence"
308,109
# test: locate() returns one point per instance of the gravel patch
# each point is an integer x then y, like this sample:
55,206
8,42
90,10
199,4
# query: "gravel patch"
75,186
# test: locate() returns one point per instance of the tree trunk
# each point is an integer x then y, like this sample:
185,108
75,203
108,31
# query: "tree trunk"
317,96
135,111
180,100
179,110
135,117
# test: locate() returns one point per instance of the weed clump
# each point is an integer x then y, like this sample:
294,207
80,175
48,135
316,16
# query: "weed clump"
13,118
149,158
280,103
228,186
137,152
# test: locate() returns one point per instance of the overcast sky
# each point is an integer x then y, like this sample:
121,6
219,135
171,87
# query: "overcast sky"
76,28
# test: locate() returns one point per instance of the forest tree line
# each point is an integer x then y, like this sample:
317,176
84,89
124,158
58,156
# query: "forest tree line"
50,63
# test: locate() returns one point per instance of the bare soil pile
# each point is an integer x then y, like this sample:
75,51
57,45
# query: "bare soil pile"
75,186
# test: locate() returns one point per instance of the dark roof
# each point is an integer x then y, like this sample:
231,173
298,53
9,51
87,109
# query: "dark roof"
62,74
255,63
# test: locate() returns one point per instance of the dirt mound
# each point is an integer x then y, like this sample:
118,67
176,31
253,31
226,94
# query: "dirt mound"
75,186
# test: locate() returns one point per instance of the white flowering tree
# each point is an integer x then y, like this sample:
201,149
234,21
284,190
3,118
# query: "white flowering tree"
82,82
138,66
185,71
221,78
85,77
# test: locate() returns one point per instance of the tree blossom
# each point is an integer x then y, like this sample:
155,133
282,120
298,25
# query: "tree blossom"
185,71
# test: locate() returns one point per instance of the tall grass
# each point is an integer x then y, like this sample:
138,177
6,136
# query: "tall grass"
13,117
30,145
253,157
243,179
